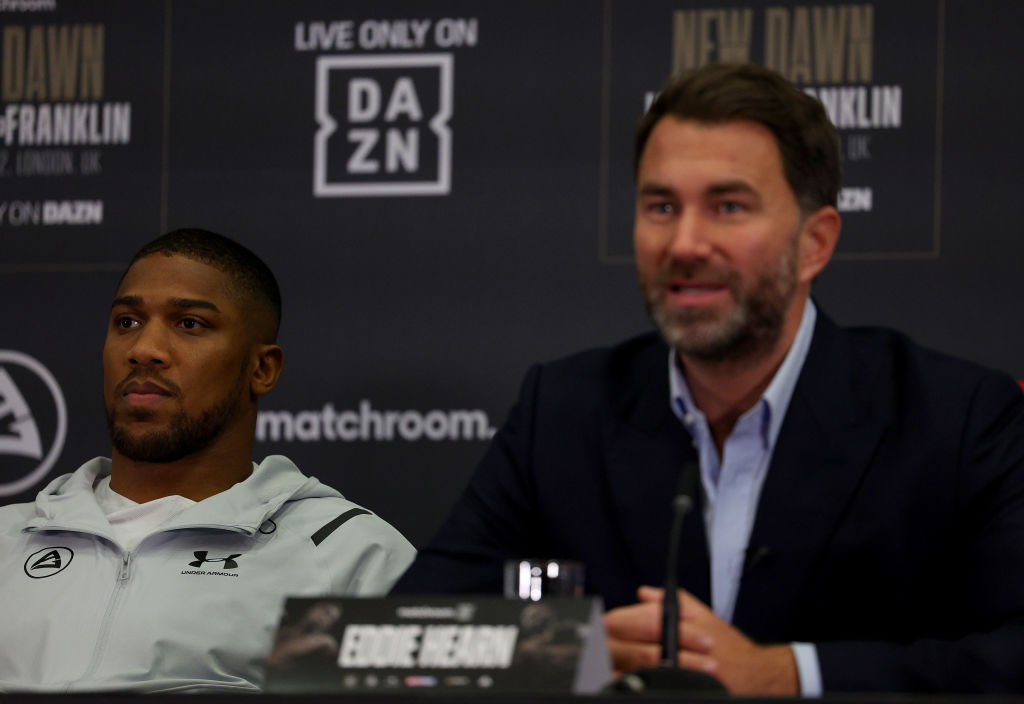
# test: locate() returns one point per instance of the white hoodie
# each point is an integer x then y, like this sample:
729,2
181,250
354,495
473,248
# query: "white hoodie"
194,606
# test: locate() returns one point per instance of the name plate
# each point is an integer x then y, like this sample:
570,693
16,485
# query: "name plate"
442,643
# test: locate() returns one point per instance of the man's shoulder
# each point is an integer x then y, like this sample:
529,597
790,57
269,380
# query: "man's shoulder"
887,361
14,516
321,511
336,513
898,348
633,356
619,379
360,551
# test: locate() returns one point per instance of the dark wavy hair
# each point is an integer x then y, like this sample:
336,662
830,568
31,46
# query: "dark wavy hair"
808,142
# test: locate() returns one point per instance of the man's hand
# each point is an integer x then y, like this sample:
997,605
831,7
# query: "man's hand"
634,639
706,643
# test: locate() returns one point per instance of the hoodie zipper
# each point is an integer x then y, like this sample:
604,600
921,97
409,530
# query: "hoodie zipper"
120,584
102,638
124,573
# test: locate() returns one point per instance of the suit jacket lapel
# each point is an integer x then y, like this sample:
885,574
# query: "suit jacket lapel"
647,447
824,446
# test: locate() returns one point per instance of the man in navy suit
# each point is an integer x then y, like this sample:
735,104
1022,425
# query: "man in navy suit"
860,519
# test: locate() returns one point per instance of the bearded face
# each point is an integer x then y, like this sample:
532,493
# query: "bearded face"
752,322
717,238
176,359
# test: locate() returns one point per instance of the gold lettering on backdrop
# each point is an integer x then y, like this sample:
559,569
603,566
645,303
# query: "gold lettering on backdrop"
862,43
776,39
800,47
705,44
701,37
62,51
823,44
12,84
829,28
55,62
684,41
35,74
734,27
92,62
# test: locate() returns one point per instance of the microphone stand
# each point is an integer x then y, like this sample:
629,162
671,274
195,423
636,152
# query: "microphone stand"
668,676
681,506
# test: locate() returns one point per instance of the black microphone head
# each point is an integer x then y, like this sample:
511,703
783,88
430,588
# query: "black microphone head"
688,477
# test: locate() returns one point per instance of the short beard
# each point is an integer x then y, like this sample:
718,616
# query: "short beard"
183,436
747,331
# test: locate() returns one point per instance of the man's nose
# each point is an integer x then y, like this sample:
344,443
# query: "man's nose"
691,237
149,347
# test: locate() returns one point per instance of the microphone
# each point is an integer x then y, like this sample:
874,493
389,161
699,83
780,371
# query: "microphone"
681,506
668,676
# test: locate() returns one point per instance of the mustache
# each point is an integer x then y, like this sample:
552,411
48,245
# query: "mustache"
143,375
676,269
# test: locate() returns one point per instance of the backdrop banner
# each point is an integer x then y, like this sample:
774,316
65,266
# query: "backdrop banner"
444,190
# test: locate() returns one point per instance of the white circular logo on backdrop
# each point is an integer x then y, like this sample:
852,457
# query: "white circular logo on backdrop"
30,397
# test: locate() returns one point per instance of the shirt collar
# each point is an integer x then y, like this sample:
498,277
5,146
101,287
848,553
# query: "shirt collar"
779,392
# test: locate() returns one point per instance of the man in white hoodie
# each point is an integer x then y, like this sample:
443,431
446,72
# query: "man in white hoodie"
164,567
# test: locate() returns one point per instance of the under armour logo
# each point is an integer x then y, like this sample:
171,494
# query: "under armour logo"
201,558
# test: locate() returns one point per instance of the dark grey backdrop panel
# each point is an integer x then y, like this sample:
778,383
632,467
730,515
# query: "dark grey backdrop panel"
876,67
411,316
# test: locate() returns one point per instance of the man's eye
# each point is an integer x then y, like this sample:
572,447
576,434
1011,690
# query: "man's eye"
190,323
730,207
125,323
661,208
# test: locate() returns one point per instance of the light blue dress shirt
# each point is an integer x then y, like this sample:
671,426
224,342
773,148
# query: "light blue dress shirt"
732,483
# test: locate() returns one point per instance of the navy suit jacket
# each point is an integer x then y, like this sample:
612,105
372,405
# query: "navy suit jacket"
889,532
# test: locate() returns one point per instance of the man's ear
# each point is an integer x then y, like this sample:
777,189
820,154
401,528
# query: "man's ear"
819,234
269,364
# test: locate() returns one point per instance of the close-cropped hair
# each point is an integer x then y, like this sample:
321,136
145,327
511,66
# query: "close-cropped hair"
807,140
248,273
